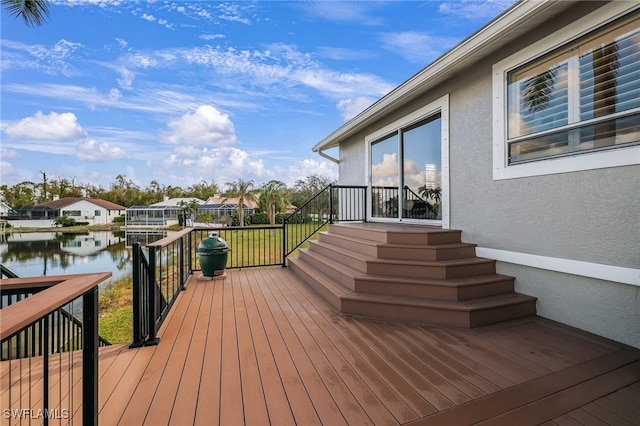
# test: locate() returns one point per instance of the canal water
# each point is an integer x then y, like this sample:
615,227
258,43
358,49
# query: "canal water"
36,254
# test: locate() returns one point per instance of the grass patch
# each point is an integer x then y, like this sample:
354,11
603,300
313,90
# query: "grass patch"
116,311
116,295
117,326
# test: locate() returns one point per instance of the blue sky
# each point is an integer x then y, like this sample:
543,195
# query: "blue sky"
184,91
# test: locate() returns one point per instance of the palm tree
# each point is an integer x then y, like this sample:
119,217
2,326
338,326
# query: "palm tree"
244,192
606,61
188,210
273,198
184,208
434,193
537,91
33,12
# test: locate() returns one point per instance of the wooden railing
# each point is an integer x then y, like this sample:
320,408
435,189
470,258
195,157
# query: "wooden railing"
69,328
44,385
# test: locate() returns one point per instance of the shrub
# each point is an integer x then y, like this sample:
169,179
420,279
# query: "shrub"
119,219
297,218
65,221
259,219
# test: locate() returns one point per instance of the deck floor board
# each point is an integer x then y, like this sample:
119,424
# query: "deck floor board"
383,404
260,347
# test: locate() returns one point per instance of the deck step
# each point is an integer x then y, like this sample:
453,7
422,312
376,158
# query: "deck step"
398,233
451,289
468,313
437,269
409,273
446,251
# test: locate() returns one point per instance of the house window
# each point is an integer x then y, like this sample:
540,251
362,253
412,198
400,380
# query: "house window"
564,102
584,97
71,213
408,167
97,213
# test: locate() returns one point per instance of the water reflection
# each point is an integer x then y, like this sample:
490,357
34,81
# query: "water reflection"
54,253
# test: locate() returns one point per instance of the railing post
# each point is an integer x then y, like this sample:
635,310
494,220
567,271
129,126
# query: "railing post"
189,252
365,207
45,367
330,203
137,303
284,242
181,265
90,357
153,315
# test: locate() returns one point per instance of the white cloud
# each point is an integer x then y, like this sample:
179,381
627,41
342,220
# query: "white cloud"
416,46
114,95
343,53
385,173
232,12
100,3
7,154
205,127
354,106
53,59
149,18
211,36
221,164
91,150
10,173
302,169
122,43
358,11
336,85
52,126
475,9
281,70
190,164
126,78
164,99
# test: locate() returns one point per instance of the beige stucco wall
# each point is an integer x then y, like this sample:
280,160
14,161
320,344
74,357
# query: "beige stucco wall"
590,216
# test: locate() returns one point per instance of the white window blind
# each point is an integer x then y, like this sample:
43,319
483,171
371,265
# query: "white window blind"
581,97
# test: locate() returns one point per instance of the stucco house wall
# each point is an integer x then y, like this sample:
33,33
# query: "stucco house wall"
570,239
585,216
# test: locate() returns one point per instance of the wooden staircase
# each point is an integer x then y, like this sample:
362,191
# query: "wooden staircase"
409,273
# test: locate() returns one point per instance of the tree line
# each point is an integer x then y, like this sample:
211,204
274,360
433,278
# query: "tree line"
270,196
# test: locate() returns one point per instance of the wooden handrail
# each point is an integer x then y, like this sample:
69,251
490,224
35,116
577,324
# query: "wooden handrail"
19,315
171,238
7,284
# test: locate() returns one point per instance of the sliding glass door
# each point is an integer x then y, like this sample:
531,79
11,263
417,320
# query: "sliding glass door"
406,172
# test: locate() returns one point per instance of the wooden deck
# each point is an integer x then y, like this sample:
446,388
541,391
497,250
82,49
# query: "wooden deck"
259,347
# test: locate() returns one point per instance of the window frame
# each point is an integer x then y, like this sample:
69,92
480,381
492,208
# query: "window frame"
588,160
437,106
